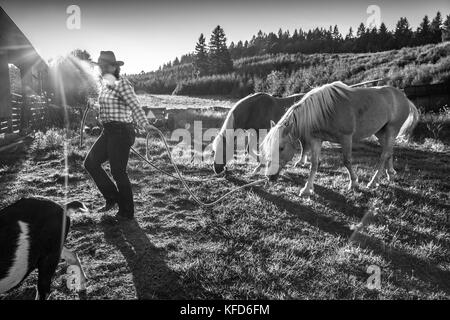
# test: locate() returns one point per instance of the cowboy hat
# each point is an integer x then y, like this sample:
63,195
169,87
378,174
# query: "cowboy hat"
108,57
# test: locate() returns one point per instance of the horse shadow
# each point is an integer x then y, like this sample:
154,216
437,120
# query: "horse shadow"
329,197
152,277
296,209
405,262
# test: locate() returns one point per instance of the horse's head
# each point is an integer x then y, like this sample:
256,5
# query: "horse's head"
221,157
278,148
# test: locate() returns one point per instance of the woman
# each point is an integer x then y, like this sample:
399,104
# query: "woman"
119,106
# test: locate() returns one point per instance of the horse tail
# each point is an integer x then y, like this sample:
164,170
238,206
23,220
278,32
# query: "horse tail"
410,122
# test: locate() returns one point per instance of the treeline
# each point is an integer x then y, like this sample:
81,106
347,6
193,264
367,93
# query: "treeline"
268,60
293,73
364,39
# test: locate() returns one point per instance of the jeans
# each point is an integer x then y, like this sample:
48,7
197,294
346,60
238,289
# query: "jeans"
114,145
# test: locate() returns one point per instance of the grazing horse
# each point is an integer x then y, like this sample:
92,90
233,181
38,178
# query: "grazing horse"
337,113
256,112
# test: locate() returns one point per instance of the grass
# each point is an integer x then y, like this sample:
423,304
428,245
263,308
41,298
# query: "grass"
265,242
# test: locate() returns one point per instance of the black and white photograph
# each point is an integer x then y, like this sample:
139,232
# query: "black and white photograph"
224,155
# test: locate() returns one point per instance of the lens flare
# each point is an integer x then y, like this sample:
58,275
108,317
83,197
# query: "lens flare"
74,81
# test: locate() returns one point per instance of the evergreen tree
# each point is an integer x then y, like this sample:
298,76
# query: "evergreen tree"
82,55
403,33
272,43
349,34
201,57
361,30
384,39
435,28
361,38
423,34
219,56
446,29
336,34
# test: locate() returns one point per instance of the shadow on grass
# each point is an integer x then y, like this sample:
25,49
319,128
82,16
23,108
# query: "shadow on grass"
407,263
325,223
152,278
11,163
331,199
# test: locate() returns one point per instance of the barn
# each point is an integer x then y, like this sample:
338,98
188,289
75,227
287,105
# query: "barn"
24,85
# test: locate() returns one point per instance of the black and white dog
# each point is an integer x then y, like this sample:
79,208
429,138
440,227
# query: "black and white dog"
31,232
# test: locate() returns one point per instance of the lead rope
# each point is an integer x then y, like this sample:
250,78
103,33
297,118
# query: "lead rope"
179,176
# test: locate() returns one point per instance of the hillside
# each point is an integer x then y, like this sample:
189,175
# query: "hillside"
283,74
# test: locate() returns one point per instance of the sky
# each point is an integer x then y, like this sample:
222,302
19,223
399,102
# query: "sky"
146,34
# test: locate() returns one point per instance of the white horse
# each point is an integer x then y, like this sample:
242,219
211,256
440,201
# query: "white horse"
337,113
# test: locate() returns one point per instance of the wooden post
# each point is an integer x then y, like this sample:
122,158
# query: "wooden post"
5,89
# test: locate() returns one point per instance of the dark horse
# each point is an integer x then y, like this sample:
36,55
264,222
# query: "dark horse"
256,111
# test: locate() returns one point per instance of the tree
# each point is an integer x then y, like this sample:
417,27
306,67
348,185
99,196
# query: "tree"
423,34
348,44
201,57
219,56
403,33
384,40
361,38
446,29
81,54
349,34
72,81
435,28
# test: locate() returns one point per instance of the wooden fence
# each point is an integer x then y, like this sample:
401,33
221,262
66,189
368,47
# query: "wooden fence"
27,114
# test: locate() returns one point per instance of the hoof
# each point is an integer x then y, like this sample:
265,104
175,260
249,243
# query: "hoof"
302,164
306,192
392,172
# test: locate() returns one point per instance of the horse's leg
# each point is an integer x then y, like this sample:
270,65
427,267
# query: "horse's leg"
258,160
315,145
387,143
303,161
390,171
346,143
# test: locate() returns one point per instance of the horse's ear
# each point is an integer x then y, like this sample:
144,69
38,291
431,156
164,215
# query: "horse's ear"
272,123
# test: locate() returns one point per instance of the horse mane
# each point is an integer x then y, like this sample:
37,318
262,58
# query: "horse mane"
314,110
311,113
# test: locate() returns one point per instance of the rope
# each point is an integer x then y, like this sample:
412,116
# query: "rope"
179,176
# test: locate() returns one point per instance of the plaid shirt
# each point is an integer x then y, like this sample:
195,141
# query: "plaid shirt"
118,102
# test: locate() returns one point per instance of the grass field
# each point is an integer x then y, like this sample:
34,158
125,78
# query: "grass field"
264,242
184,102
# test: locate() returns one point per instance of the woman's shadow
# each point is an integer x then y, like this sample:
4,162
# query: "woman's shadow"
152,278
